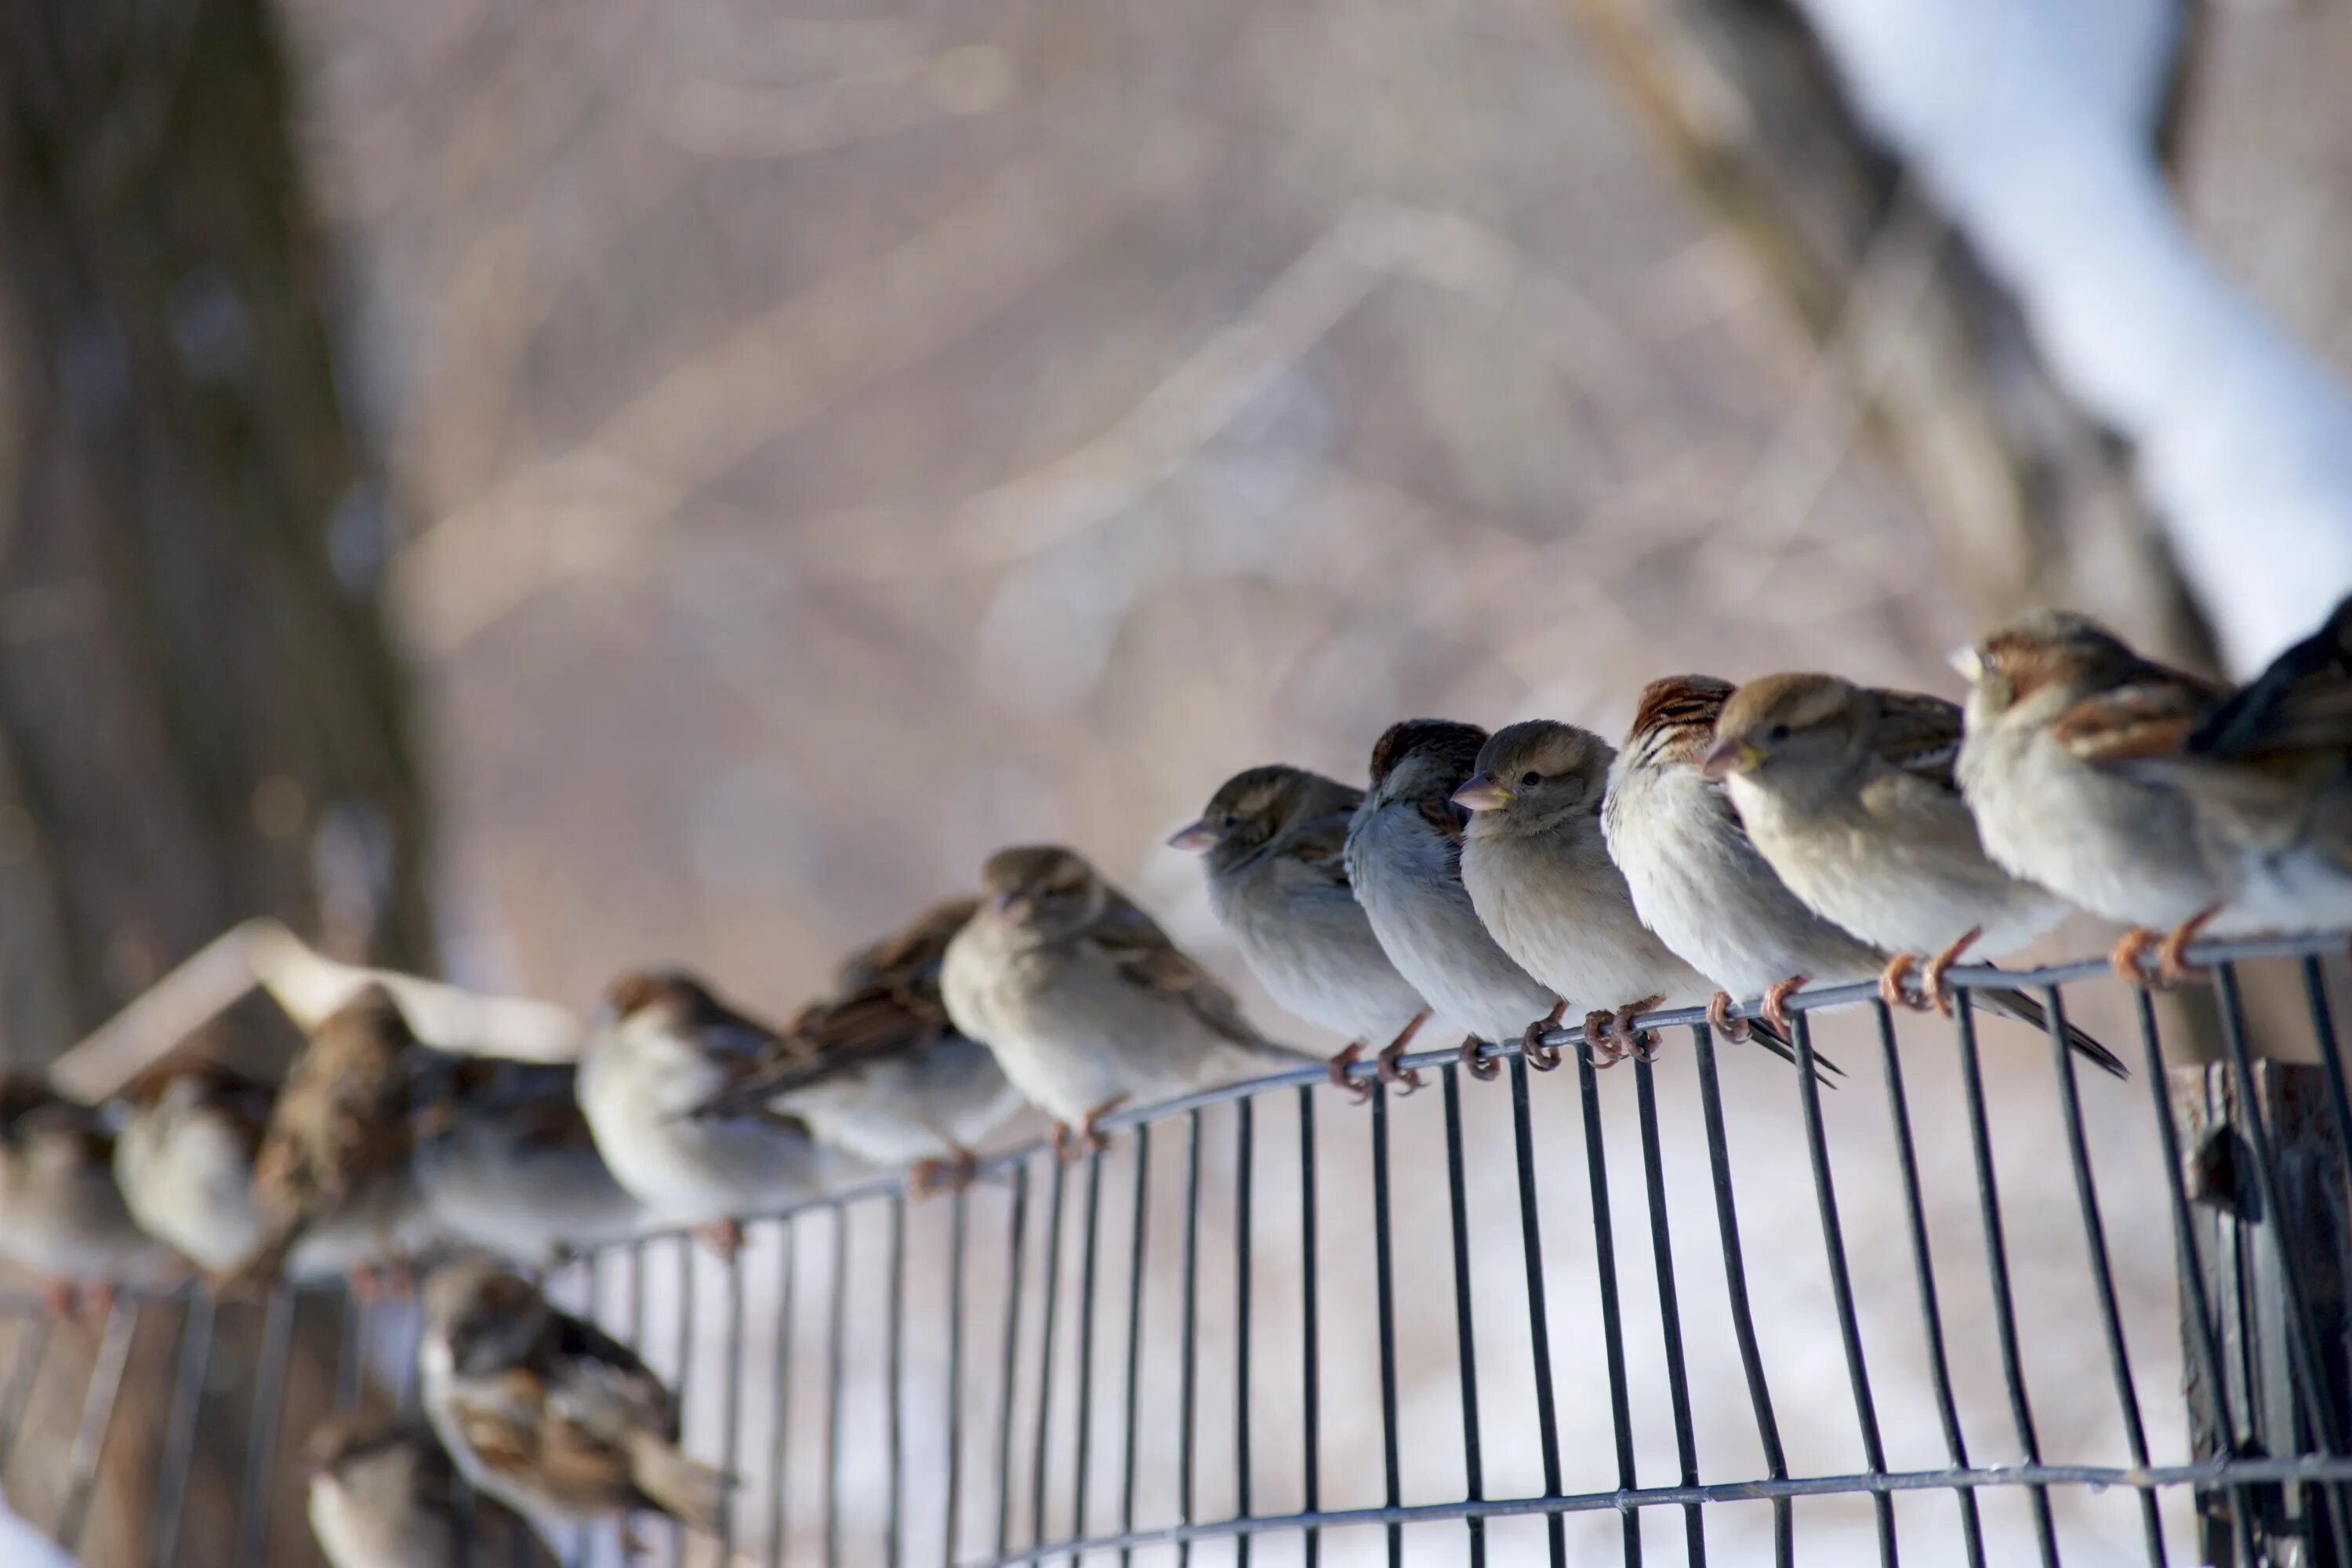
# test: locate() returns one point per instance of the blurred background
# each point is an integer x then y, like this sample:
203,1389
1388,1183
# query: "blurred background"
521,491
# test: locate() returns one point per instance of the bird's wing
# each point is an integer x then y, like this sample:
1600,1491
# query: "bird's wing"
1320,847
2143,721
1145,958
1918,734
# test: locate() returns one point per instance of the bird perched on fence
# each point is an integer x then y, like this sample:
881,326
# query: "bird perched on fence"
513,1168
339,1139
1538,873
549,1413
2059,713
62,1214
1848,792
1404,862
1085,1002
2270,775
383,1494
185,1157
1699,882
1274,842
662,1050
877,1069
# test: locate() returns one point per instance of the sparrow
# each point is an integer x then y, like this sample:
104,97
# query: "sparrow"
2269,771
661,1049
1274,842
2060,715
1848,792
183,1158
513,1169
62,1214
339,1139
1404,862
1698,881
1538,873
875,1069
383,1494
549,1413
1084,1000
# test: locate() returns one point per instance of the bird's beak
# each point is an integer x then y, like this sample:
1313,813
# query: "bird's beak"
1732,756
1482,794
1195,836
604,1017
1013,904
1970,663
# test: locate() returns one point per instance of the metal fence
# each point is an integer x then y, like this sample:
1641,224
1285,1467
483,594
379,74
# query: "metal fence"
1564,1316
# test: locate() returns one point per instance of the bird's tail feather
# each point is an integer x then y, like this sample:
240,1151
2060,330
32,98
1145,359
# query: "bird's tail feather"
2016,1004
686,1489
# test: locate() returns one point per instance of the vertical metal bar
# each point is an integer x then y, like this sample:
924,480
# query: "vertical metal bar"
2331,1057
1538,1319
2004,1305
684,1383
1809,1090
260,1454
892,1372
1310,1357
1612,1323
1245,1133
1384,1294
1931,1315
1053,1302
351,1352
1188,1337
1089,1246
1735,1277
2094,1242
730,1437
1464,1323
957,1216
1012,1354
88,1450
2204,1343
2303,1336
837,1332
179,1428
1670,1317
779,1438
31,1345
1134,1338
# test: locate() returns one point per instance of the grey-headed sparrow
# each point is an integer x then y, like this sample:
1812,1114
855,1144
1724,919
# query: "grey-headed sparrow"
2060,714
183,1156
1698,881
1084,999
1274,841
877,1069
1404,862
1540,875
663,1048
343,1122
1848,792
383,1494
2271,773
62,1214
513,1169
549,1413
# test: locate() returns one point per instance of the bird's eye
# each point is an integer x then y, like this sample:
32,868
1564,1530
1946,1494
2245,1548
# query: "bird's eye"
1231,822
1530,779
1776,732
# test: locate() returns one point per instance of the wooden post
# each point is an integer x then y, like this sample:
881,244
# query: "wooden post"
2263,1406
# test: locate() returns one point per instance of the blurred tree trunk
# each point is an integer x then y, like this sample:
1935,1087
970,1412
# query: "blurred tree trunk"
200,718
2031,500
